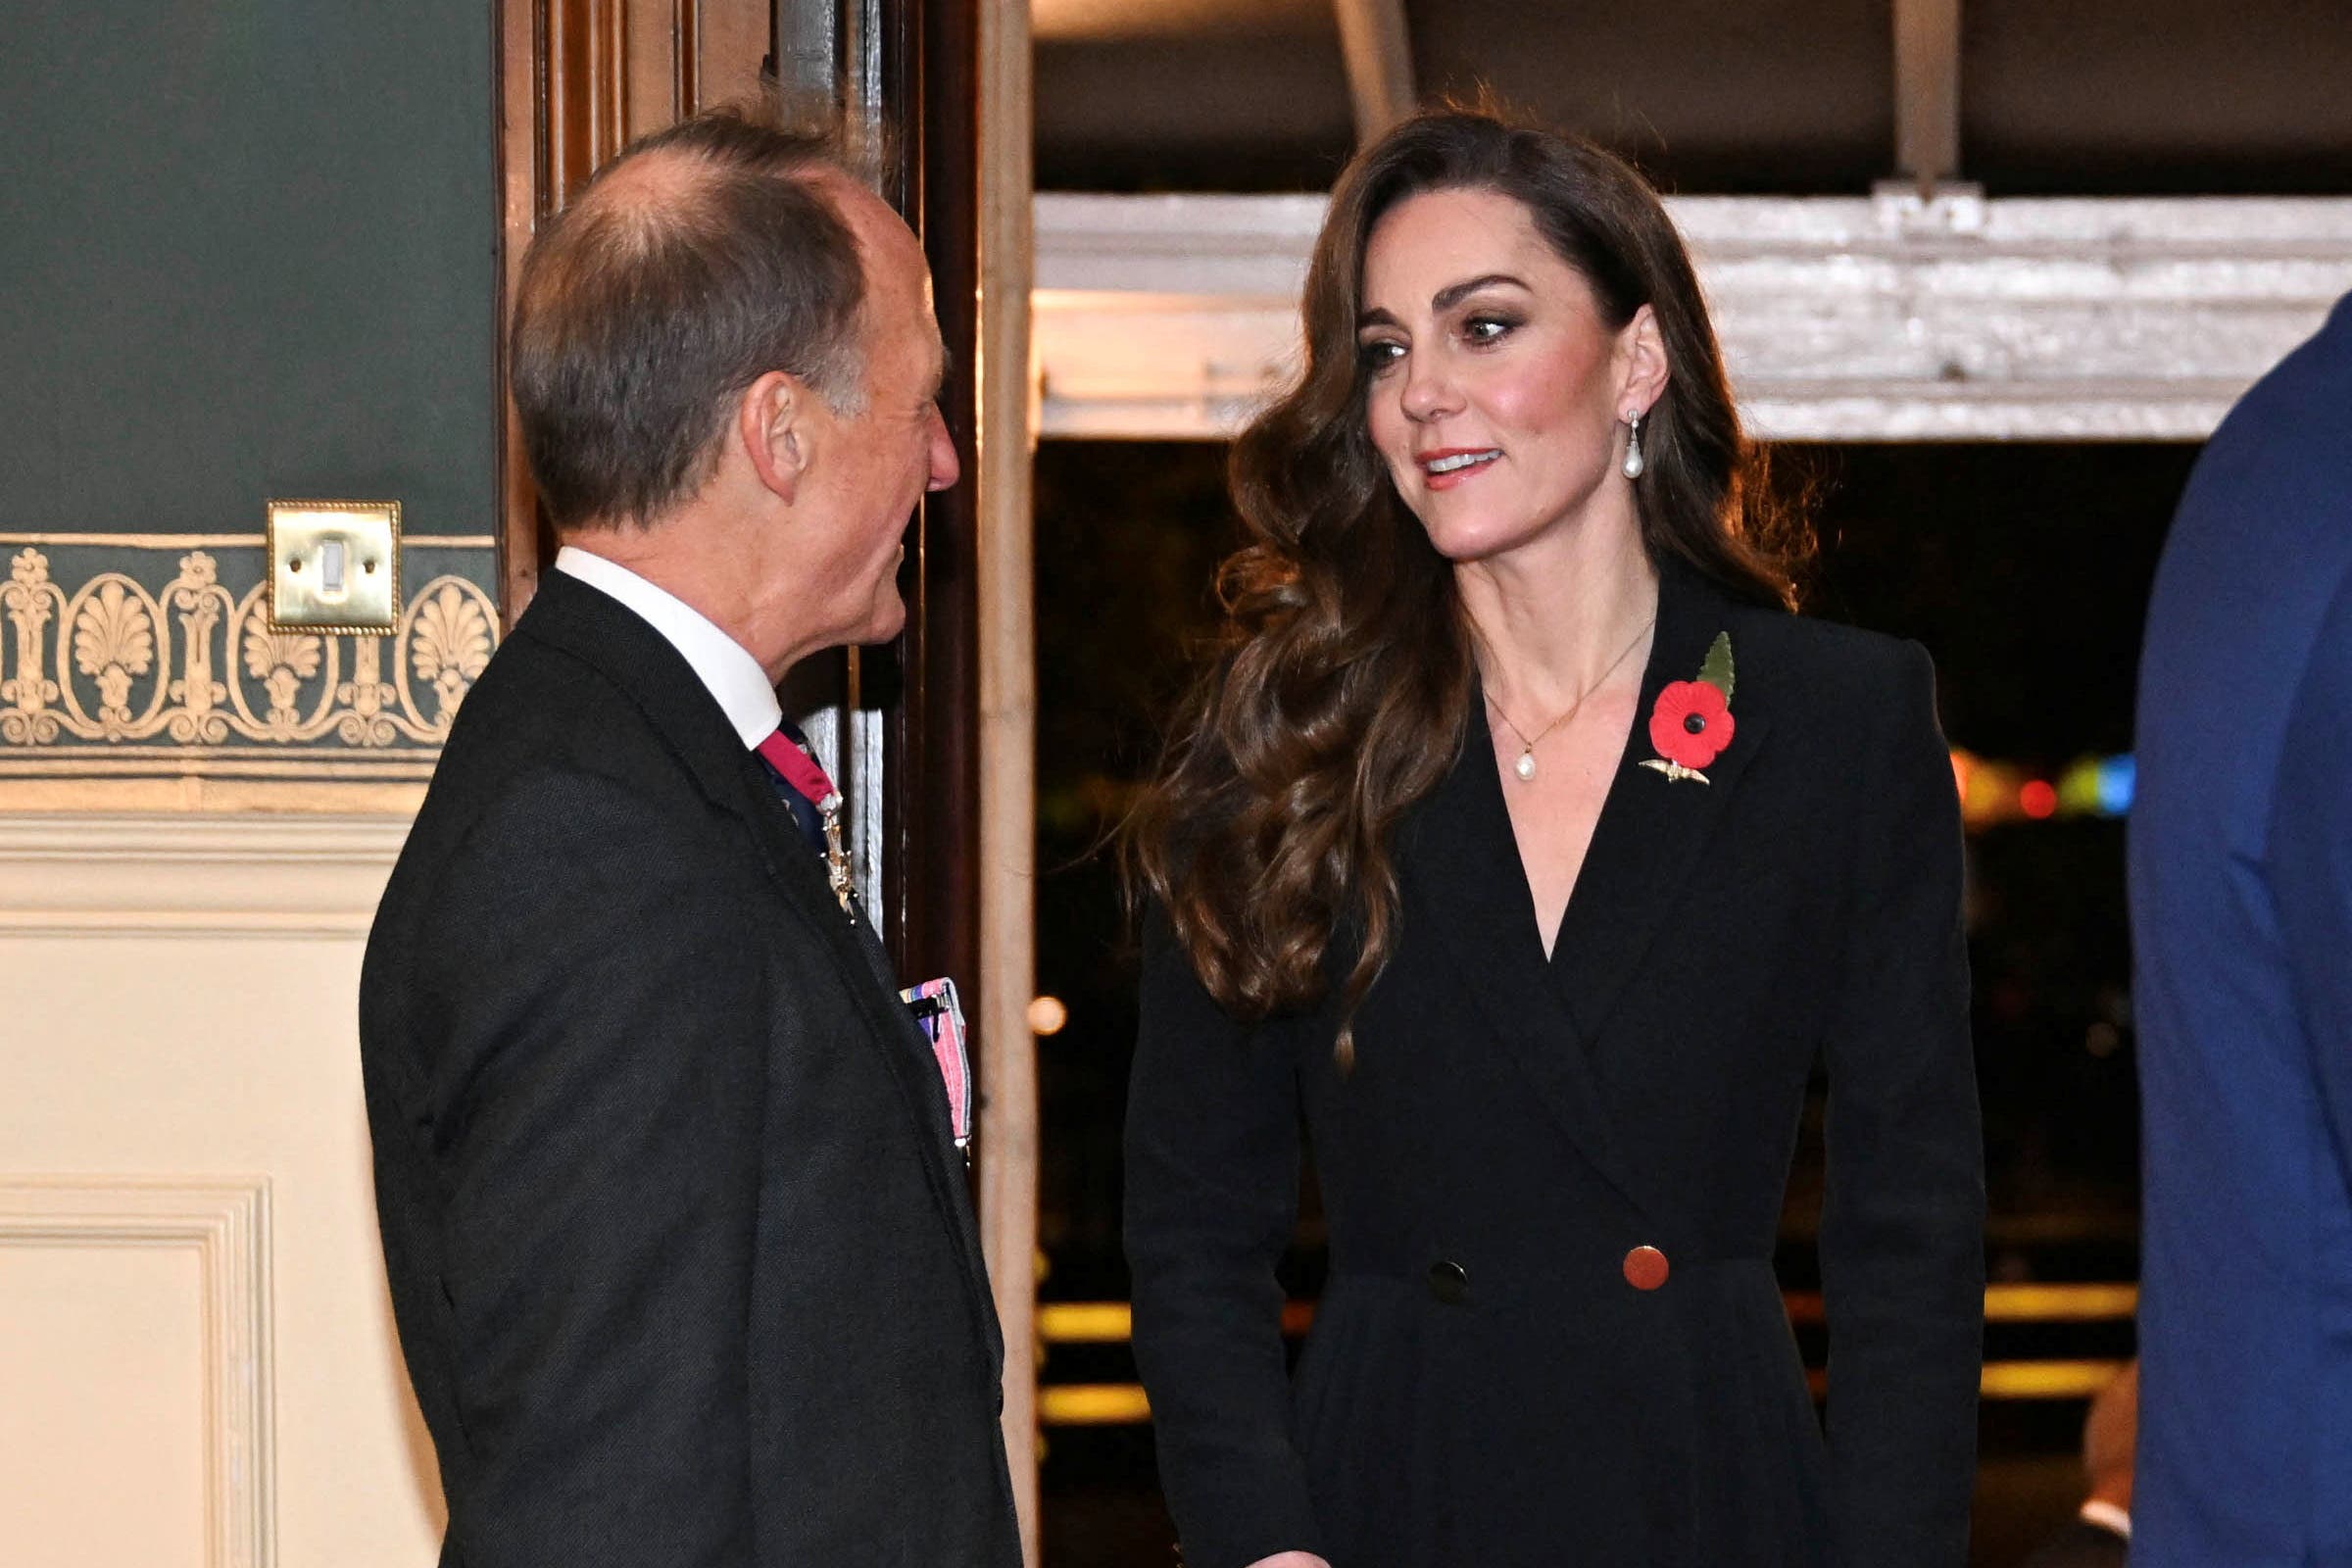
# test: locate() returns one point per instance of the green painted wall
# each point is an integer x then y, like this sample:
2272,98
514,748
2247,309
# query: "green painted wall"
247,247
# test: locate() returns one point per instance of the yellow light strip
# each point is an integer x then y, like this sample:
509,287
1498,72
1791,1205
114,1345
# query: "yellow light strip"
1115,1404
1092,1404
2047,1380
2059,1303
1084,1322
1111,1322
2018,1303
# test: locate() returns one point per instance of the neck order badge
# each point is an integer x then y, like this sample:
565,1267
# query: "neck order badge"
801,771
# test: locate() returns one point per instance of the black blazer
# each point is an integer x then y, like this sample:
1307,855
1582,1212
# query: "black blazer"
680,1251
1485,1383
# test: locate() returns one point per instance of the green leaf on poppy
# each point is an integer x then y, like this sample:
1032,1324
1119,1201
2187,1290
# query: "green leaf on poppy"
1717,670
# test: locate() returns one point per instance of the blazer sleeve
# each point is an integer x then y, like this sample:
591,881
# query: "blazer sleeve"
595,1113
1902,1228
1212,1194
2310,859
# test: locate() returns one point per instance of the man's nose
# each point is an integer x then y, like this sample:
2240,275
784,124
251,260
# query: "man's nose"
946,466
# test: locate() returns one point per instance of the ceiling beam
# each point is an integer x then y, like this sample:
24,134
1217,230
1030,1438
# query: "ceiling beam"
1380,63
1841,318
1926,91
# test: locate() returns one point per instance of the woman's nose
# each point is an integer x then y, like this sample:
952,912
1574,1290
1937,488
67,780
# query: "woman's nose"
1429,392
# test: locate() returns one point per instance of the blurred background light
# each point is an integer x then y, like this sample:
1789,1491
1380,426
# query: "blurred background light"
1994,793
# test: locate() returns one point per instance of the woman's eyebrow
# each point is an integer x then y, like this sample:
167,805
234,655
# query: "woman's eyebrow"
1452,294
1445,299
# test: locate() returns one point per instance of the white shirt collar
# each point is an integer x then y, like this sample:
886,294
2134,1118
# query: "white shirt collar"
2107,1516
722,664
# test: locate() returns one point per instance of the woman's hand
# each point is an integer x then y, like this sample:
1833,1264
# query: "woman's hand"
1290,1559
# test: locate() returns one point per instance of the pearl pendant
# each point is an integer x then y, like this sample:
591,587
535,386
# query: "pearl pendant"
1525,768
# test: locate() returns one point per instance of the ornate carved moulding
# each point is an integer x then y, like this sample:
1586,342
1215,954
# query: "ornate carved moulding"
151,656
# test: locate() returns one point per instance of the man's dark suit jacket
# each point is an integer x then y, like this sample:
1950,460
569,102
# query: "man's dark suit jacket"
683,1264
2241,924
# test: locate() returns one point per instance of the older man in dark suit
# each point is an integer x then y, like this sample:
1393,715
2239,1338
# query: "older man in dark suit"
2241,922
682,1259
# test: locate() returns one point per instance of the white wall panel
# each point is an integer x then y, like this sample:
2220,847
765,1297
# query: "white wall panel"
177,1004
102,1427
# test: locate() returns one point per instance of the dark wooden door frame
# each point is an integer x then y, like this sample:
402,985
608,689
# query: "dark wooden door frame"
952,78
932,773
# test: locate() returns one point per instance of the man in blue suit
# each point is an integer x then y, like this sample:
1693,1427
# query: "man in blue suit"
2241,917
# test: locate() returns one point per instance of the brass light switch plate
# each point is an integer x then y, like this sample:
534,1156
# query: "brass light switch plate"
334,566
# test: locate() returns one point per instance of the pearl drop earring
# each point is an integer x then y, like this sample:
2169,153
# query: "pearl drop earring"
1632,446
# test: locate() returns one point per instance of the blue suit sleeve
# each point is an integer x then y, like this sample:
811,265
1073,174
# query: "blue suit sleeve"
2311,860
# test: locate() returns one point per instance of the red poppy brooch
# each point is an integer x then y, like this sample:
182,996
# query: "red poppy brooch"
1691,724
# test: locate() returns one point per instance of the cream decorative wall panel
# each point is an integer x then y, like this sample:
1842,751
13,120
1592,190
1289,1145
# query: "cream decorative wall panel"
134,1336
194,875
143,657
177,1015
102,1434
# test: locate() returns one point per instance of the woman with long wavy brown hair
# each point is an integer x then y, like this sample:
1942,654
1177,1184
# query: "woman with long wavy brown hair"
1521,853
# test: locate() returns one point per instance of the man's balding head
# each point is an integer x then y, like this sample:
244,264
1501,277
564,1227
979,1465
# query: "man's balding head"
702,258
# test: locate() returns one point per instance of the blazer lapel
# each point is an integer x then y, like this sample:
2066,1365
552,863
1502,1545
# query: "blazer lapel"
1457,860
1654,829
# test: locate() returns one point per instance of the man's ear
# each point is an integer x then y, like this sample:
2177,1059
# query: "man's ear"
776,423
1645,369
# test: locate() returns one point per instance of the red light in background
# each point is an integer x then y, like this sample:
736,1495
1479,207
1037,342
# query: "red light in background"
2039,799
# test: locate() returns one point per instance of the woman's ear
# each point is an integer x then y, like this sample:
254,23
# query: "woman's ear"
776,423
1641,349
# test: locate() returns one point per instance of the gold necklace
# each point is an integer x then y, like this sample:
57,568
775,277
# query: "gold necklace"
1524,763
